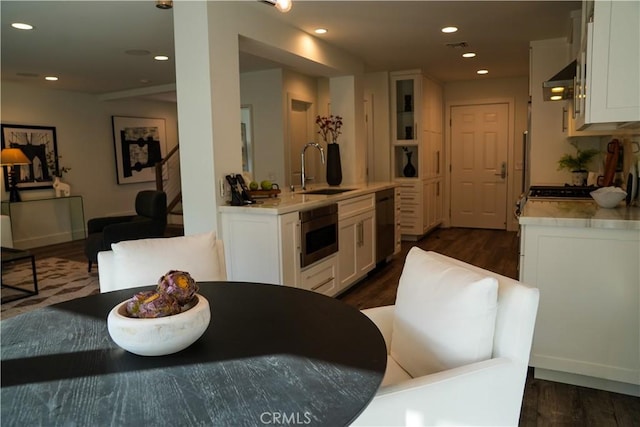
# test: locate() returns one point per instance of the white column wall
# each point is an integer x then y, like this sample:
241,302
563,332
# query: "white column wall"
208,86
347,101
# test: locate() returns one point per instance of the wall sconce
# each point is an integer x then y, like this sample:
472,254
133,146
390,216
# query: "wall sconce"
12,157
282,5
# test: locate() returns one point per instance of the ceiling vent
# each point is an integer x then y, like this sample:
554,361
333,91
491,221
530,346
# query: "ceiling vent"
458,45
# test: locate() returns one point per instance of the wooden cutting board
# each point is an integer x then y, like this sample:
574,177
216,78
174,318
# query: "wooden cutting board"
610,163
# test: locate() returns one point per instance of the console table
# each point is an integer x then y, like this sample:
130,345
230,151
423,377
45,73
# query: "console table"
13,255
47,221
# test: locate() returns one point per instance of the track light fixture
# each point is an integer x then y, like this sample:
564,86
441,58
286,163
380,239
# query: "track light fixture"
282,5
164,4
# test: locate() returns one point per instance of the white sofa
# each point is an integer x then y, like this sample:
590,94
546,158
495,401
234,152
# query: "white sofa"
488,388
142,262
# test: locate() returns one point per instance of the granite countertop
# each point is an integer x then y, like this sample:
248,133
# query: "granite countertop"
580,213
289,201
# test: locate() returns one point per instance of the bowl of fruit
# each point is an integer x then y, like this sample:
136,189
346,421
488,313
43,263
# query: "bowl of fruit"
163,321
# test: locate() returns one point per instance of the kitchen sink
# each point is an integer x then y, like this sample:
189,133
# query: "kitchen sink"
328,191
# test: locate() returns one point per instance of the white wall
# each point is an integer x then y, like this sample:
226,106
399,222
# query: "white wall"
263,90
85,141
208,36
476,91
547,141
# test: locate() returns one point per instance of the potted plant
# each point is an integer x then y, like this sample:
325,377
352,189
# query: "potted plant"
577,164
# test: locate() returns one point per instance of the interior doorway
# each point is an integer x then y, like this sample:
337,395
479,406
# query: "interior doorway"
300,132
479,153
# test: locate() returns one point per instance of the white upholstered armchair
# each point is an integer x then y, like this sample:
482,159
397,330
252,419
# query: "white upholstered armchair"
136,263
458,342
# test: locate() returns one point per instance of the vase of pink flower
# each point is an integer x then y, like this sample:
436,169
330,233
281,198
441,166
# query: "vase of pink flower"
330,130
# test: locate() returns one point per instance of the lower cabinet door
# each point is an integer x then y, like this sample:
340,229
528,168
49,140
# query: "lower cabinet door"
322,277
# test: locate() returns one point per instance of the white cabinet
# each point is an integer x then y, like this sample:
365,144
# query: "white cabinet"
417,124
321,277
417,138
398,233
356,239
587,329
262,248
410,207
570,126
607,83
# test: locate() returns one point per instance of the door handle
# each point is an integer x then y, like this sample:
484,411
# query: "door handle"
503,171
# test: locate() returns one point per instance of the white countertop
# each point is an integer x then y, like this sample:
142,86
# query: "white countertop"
580,213
288,201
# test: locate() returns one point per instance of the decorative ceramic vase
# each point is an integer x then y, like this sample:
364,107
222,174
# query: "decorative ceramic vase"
334,167
409,170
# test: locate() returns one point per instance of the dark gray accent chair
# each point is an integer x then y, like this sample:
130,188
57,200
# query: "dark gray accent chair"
150,221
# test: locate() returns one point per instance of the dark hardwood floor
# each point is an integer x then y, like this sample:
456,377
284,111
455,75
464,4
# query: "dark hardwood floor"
545,403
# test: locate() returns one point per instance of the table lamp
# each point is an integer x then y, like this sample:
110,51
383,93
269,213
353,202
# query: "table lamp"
13,157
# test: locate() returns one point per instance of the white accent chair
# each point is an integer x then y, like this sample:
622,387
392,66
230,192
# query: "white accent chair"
458,343
135,263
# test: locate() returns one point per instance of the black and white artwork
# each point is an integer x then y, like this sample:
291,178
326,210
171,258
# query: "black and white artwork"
39,144
140,144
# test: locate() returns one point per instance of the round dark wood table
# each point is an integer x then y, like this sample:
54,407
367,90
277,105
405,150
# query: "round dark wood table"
272,355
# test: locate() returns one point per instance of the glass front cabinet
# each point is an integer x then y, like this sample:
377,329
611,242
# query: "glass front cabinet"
417,151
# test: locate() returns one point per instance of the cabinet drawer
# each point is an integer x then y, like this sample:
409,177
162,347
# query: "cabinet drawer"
356,205
407,212
321,277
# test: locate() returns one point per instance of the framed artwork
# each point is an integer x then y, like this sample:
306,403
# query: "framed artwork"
140,143
39,144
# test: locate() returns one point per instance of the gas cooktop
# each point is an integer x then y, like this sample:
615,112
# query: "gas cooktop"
561,192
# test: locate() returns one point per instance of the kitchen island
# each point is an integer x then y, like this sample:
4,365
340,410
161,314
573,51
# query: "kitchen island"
265,242
586,262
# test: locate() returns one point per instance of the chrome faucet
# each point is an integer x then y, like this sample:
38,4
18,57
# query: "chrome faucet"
303,175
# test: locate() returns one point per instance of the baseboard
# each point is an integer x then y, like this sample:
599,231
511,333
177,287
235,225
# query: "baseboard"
586,381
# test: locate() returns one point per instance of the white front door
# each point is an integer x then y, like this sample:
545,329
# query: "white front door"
479,141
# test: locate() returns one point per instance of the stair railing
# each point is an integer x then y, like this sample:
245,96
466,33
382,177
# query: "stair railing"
174,199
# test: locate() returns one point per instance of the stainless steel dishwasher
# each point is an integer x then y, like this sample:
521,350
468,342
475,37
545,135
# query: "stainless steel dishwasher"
385,224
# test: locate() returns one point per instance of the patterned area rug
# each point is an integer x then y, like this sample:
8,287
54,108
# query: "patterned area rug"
58,280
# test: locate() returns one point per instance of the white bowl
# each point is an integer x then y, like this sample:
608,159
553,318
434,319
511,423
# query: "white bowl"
608,197
159,336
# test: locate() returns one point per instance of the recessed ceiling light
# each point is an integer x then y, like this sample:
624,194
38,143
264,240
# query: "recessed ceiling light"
449,29
482,71
556,98
145,81
22,26
161,58
51,78
468,55
557,89
283,5
321,31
